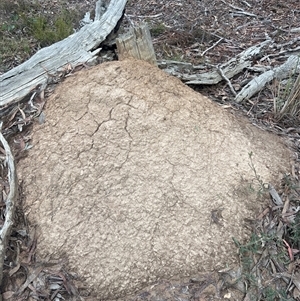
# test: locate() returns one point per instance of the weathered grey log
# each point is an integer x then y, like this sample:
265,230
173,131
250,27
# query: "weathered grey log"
10,203
187,72
136,44
255,85
292,65
78,48
100,10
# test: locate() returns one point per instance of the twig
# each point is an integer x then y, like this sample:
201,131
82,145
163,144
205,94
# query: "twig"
238,13
227,80
129,19
211,47
246,25
246,3
153,16
240,10
291,42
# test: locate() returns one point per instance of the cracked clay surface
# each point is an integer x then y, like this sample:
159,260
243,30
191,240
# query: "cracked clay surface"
127,170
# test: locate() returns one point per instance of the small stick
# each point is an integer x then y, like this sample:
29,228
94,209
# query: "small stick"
227,80
211,47
149,16
241,11
246,3
238,13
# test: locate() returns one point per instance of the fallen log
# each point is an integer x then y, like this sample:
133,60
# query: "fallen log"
79,48
188,73
256,84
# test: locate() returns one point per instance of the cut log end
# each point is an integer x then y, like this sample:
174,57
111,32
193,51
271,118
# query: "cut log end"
136,44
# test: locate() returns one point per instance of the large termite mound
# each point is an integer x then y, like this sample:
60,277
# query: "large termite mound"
129,174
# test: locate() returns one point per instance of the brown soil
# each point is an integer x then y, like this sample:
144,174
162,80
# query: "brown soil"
134,177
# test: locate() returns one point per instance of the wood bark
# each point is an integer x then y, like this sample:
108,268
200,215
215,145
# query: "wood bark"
80,47
291,66
136,44
189,73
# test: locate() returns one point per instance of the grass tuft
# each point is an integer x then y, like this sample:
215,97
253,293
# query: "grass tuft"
25,27
158,29
47,32
262,186
287,102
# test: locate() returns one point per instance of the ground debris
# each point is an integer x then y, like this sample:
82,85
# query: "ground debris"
271,258
25,277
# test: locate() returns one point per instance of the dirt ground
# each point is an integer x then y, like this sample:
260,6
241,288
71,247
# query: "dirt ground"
134,177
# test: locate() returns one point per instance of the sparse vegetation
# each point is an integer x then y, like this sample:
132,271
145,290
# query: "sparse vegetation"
268,260
26,27
47,32
262,187
158,29
287,99
256,259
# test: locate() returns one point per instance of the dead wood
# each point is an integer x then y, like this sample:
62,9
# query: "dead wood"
136,44
10,203
291,66
186,71
79,48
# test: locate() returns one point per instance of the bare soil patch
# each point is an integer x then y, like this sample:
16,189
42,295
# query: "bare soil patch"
142,178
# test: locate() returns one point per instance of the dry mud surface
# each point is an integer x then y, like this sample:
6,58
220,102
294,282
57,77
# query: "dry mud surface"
129,174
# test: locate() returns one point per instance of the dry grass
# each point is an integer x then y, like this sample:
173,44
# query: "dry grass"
269,260
291,108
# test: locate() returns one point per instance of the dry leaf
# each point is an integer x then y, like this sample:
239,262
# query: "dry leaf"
7,295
